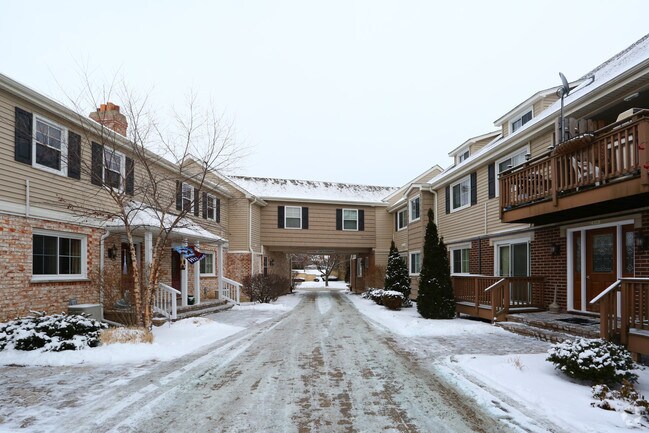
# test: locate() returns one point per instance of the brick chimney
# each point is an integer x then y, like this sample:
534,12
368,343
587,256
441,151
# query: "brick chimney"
108,115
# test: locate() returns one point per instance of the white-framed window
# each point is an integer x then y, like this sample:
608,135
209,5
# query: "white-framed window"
187,197
512,257
359,267
460,260
512,160
58,256
415,209
49,147
402,219
461,157
350,219
207,265
415,262
293,217
516,123
461,194
114,169
211,207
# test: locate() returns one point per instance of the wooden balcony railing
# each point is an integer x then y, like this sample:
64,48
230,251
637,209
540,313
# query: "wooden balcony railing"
614,152
494,297
624,313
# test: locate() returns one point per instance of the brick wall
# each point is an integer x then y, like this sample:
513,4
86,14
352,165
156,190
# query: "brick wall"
552,267
481,257
18,294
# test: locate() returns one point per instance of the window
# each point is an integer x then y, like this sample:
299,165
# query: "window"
350,219
359,267
415,263
460,261
113,169
415,209
510,161
517,123
188,197
49,148
211,207
207,264
58,256
402,219
293,217
461,194
463,156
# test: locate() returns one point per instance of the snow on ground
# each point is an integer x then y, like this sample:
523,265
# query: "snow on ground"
170,341
333,285
524,384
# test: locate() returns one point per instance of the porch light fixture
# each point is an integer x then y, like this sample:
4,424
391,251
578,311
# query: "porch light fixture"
641,241
555,249
112,252
271,262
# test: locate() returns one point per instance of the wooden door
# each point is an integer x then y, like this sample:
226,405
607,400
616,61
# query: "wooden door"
175,270
601,262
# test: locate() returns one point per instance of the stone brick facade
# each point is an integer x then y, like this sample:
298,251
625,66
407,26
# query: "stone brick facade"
18,293
551,267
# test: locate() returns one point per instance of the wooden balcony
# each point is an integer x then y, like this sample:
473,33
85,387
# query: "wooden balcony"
492,298
591,169
624,314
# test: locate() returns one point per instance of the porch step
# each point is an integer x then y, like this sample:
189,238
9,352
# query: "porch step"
586,326
202,309
533,331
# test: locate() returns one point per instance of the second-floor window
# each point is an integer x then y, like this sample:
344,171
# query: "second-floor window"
211,207
402,219
517,123
113,169
187,197
49,148
510,161
293,217
415,209
350,219
461,194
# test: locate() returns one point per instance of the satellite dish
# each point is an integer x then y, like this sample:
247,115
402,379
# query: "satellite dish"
566,88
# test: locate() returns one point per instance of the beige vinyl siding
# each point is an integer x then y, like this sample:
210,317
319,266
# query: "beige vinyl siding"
540,145
401,236
238,224
256,228
544,103
416,229
384,229
321,233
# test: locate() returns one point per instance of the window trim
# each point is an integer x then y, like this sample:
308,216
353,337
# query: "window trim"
519,240
405,219
213,261
64,146
63,277
463,156
520,117
212,198
192,199
525,149
122,168
468,204
410,212
350,230
286,217
410,255
460,248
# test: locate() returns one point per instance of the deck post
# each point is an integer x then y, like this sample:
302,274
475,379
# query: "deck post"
643,152
197,278
624,319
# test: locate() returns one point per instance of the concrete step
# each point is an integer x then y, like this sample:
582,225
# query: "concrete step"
203,305
533,331
555,323
204,311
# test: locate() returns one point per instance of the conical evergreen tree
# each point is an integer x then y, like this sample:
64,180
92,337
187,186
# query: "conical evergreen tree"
435,299
396,274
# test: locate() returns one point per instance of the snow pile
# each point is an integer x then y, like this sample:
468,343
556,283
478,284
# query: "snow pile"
333,285
261,307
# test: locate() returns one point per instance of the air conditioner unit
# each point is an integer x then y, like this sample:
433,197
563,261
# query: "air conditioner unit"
628,113
95,311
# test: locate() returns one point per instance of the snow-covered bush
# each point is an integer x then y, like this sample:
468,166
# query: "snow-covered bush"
392,299
375,295
594,360
52,333
626,399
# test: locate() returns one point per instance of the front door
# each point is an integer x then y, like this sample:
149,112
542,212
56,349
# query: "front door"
601,262
175,270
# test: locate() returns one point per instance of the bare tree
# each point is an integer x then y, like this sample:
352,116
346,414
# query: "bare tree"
326,263
137,171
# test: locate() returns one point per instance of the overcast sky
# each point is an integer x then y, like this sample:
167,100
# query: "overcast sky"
371,92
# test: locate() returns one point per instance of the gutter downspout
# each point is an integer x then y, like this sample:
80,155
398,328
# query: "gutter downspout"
101,265
252,253
435,205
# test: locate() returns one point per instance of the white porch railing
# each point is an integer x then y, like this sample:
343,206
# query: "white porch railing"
165,301
230,290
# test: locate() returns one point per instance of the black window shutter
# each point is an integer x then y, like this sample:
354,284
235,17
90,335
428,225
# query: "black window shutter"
491,168
179,195
280,217
204,205
23,136
361,220
196,202
474,188
305,217
448,199
396,221
339,219
74,155
218,210
130,176
97,164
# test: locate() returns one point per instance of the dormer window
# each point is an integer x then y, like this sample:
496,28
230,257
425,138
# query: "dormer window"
462,156
520,121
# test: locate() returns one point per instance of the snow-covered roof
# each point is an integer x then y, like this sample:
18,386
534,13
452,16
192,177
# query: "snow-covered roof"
145,217
310,190
618,65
